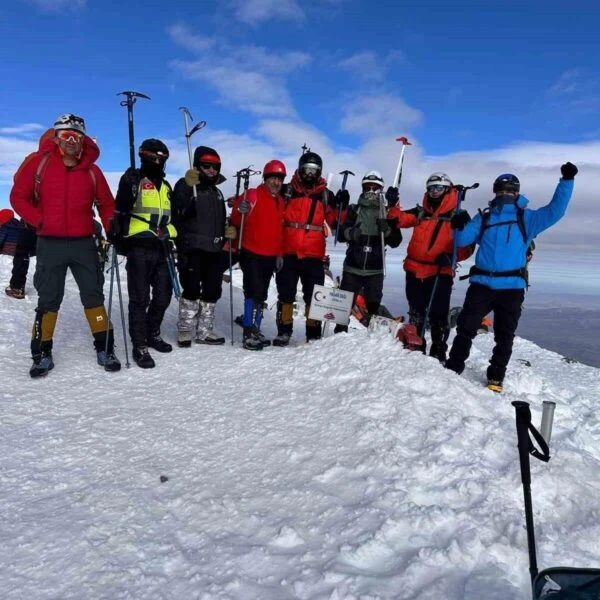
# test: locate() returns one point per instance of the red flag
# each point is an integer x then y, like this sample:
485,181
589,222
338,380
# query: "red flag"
404,141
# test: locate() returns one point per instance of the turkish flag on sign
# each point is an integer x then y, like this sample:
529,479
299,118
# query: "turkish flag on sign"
404,141
147,185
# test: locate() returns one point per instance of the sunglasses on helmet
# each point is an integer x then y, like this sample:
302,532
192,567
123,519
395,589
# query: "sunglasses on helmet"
436,189
68,135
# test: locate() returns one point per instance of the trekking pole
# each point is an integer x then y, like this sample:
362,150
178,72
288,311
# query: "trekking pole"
526,447
187,116
130,100
238,183
398,175
344,180
245,174
382,215
462,191
168,248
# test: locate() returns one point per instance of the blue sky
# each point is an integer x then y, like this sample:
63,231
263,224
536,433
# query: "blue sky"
479,91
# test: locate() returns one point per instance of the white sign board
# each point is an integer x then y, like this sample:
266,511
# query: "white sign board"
331,305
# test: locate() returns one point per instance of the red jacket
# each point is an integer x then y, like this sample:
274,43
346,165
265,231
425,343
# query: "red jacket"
66,196
263,225
431,237
316,204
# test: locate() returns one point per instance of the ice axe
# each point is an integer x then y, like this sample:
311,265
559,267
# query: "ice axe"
462,190
187,117
339,217
130,100
398,176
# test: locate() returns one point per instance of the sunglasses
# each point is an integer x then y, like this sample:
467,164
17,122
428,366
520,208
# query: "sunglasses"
210,165
67,135
371,187
436,189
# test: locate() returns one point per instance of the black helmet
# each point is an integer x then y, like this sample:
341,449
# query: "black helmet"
153,151
507,182
311,158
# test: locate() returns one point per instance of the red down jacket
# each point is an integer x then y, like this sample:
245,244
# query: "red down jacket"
66,196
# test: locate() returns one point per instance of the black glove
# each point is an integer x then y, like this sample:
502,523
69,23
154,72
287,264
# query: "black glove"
383,226
352,234
244,207
114,233
342,199
568,171
392,196
443,260
459,220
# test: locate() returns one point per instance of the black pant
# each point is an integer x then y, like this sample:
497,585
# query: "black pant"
308,270
147,271
54,257
257,271
371,286
418,295
201,275
25,248
479,301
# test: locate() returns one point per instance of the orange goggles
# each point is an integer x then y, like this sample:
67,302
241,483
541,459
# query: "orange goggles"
68,135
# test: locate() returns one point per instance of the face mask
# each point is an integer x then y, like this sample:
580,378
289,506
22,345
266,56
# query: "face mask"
500,201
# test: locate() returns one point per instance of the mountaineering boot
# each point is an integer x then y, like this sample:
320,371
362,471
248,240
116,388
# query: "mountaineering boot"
187,322
313,328
257,322
494,385
439,335
142,357
41,343
285,323
205,333
42,364
104,338
17,293
250,340
282,339
155,341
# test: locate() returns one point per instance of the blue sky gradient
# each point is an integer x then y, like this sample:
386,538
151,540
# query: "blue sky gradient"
480,90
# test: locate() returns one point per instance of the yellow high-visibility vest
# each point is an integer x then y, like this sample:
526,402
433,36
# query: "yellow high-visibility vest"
151,206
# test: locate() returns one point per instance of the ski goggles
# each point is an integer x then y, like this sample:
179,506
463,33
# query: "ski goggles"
436,189
309,169
69,136
158,158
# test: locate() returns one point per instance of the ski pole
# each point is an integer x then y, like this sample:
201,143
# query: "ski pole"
526,447
462,191
187,116
337,227
238,183
398,176
130,100
382,215
430,304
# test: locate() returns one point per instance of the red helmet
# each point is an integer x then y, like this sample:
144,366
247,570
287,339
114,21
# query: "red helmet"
274,167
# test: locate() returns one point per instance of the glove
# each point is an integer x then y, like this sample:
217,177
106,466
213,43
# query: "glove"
459,220
342,199
278,264
443,260
568,171
392,196
383,226
230,232
114,231
192,177
230,201
244,207
352,234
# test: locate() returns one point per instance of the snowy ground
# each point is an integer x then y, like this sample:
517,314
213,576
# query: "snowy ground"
344,469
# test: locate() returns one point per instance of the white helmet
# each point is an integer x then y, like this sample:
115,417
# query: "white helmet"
439,179
373,177
69,121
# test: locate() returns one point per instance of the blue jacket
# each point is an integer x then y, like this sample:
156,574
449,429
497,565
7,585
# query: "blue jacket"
502,248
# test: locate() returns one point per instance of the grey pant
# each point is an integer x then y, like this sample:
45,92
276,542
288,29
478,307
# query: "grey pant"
54,257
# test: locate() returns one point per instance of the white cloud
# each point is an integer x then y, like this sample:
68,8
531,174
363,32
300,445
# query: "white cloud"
369,67
254,12
370,115
12,152
183,36
567,83
23,129
249,77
